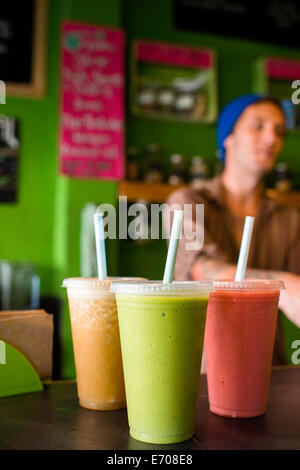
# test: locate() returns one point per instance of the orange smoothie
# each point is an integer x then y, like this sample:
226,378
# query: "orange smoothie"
239,342
96,343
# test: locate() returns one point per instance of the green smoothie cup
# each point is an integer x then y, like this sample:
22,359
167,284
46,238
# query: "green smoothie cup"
162,330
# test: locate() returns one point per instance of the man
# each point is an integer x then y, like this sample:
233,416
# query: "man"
250,136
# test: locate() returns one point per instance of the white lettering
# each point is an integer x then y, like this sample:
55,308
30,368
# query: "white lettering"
123,217
109,220
295,96
138,227
116,460
194,230
296,354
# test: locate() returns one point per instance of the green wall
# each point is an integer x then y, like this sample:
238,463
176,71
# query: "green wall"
43,227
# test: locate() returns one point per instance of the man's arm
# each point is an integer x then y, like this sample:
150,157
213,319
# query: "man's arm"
209,268
289,302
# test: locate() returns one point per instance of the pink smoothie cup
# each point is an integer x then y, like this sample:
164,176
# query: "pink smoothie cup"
239,343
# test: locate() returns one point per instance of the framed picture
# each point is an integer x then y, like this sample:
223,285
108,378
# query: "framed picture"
274,76
172,81
23,30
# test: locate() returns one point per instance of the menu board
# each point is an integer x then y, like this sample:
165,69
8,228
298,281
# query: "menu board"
92,102
16,29
271,21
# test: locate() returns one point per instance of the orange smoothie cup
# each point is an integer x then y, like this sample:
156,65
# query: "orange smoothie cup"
96,343
239,342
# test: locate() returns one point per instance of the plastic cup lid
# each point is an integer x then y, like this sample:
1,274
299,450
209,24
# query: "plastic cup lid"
85,282
93,282
249,284
158,288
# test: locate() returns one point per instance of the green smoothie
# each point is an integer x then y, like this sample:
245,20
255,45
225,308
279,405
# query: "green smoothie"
162,341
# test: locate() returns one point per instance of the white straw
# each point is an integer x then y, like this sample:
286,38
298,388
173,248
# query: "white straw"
100,245
244,249
173,246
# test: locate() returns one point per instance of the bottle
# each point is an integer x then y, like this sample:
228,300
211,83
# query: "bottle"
198,171
132,164
283,181
154,167
177,169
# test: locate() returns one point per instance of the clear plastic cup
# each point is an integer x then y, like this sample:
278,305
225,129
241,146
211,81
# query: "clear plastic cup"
96,342
162,330
239,343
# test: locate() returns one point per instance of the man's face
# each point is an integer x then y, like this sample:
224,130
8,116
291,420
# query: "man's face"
257,138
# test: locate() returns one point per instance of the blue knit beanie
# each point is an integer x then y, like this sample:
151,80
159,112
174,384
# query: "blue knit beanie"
228,118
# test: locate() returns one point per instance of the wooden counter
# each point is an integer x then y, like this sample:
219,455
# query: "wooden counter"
53,420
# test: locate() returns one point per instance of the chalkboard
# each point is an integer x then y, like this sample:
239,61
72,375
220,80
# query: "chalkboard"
22,46
271,21
16,40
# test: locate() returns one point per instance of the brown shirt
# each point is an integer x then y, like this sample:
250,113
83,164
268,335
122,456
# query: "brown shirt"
275,241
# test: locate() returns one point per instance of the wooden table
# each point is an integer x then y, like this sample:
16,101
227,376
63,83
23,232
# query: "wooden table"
53,420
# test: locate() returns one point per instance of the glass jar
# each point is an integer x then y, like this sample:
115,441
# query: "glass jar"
153,164
198,171
132,164
283,181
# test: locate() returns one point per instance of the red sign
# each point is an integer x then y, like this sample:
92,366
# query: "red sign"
282,69
167,54
92,102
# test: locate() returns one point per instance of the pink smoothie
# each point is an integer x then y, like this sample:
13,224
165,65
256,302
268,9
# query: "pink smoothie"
239,343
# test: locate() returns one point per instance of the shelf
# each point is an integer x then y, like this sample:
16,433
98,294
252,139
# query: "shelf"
291,198
135,190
